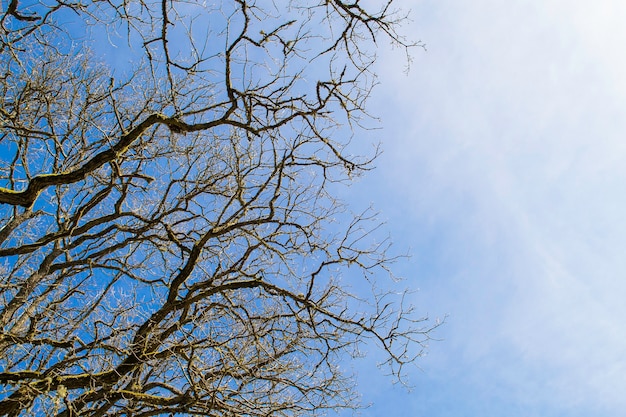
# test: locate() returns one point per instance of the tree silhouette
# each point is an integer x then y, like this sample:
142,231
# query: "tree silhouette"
171,240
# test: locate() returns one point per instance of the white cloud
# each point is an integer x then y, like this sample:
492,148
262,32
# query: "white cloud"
510,146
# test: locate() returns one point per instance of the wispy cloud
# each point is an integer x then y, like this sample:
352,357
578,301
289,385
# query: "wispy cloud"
507,149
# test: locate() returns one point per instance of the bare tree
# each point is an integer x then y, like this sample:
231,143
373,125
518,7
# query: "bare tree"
171,243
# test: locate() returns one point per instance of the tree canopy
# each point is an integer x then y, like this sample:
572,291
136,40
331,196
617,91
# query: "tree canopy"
171,238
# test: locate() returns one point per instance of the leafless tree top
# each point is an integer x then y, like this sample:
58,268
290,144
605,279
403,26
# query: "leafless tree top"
171,243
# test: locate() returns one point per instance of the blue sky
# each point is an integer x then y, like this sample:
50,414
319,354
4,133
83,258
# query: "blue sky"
504,171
